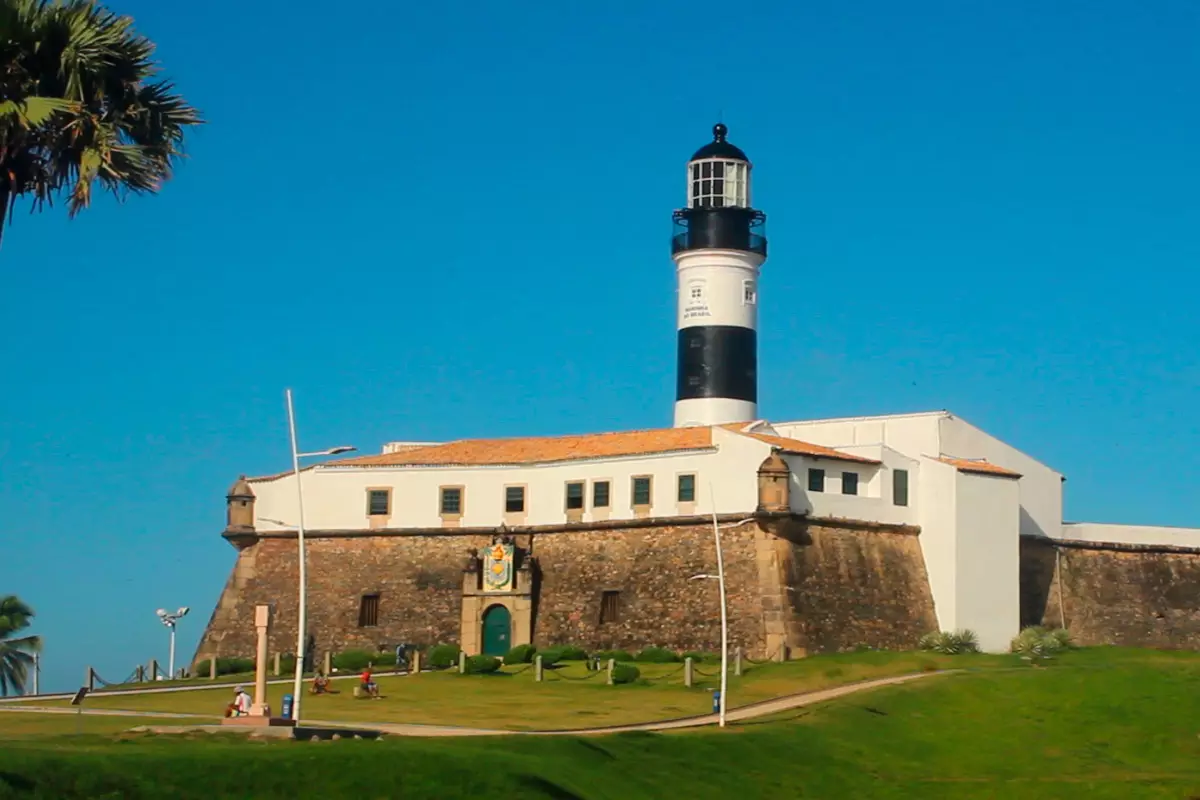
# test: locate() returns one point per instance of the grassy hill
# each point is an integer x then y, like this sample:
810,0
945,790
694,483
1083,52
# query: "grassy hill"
1099,723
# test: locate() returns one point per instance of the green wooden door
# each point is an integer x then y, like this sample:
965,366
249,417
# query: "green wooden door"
497,631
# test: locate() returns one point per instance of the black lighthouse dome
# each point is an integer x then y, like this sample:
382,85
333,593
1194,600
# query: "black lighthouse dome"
719,147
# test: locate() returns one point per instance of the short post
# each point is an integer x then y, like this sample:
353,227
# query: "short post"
262,620
37,668
212,668
278,663
737,662
537,668
462,663
328,663
687,672
612,662
414,665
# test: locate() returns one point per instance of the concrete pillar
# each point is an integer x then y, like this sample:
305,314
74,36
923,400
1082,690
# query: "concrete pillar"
153,668
278,663
328,663
612,662
89,679
414,666
537,668
687,672
212,668
737,661
262,621
462,662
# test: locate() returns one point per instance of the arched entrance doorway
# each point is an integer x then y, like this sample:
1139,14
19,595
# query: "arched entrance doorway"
497,631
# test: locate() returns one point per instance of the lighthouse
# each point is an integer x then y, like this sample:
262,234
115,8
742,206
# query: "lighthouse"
718,245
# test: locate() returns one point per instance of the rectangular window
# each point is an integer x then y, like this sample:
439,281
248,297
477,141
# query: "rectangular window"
641,490
849,483
816,480
600,494
451,502
900,487
749,297
610,607
687,489
368,611
575,496
379,502
514,499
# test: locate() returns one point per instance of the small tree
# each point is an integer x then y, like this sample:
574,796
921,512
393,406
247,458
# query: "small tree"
16,653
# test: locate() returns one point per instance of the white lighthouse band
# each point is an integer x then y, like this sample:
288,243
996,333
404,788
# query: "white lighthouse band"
718,248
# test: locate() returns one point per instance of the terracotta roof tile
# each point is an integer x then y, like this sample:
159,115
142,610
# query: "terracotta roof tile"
980,466
277,475
541,449
797,447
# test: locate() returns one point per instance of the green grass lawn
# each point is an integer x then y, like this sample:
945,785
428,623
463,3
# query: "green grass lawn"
565,700
1095,724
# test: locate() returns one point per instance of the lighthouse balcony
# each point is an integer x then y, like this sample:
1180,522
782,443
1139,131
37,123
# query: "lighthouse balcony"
720,229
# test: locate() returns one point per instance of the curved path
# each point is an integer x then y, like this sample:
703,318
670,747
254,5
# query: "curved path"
752,711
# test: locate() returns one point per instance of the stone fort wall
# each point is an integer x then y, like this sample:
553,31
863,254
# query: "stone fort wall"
1131,595
804,585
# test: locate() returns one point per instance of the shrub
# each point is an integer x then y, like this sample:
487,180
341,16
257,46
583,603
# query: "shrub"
625,673
354,660
443,655
615,655
1036,643
657,655
228,666
521,654
698,657
482,665
950,643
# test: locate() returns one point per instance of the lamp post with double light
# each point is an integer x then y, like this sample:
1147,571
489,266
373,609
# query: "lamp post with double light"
170,620
302,622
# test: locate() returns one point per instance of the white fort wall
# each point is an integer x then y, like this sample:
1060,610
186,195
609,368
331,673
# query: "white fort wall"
987,558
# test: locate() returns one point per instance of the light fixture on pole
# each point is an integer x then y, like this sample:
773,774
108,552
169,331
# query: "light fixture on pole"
170,620
302,622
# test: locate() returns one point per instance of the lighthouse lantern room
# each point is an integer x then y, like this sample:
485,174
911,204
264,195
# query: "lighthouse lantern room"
719,245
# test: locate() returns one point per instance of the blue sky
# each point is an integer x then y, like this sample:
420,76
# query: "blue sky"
446,220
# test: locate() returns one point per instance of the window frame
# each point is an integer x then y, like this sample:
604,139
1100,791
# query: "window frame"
524,498
633,483
702,180
850,481
897,500
679,498
386,491
607,492
462,501
368,610
814,472
582,496
610,606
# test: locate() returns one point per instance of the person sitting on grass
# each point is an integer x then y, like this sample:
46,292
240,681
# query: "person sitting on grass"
320,684
369,687
240,707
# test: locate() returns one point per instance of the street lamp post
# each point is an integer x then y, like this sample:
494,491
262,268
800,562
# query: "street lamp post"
720,579
302,623
170,620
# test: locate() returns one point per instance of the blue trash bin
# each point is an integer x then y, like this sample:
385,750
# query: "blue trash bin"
286,711
717,702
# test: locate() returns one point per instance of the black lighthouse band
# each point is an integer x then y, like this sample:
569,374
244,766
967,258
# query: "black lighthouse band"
718,361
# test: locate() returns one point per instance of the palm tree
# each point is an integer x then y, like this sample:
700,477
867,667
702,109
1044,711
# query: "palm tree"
80,104
16,655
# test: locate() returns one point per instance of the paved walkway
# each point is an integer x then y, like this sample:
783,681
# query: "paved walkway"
752,711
